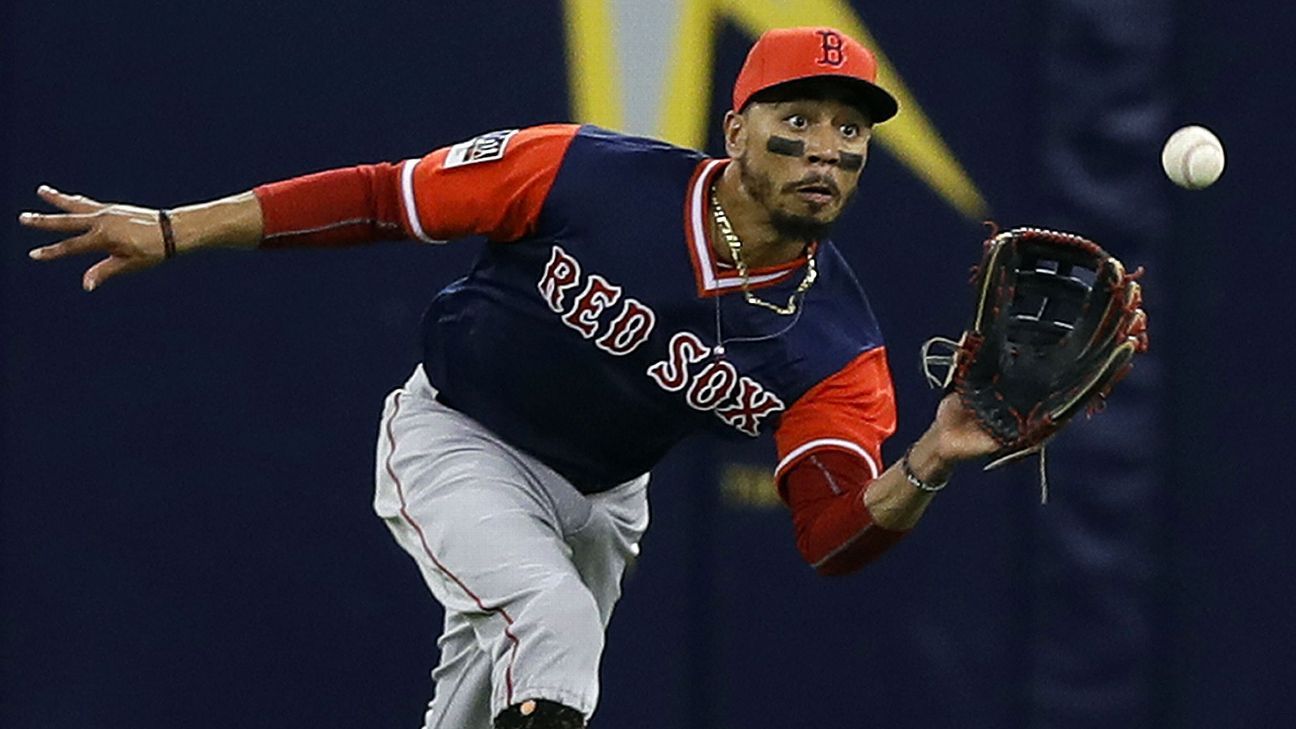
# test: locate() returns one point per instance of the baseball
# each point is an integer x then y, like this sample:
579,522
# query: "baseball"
1193,158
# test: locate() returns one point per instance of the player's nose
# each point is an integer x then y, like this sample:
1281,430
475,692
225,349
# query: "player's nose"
822,146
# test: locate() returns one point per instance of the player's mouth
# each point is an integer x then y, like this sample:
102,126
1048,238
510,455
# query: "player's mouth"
816,195
818,190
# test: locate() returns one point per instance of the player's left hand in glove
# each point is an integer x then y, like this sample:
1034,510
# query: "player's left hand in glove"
1057,323
131,236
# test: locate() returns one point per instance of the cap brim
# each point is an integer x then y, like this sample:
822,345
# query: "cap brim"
880,103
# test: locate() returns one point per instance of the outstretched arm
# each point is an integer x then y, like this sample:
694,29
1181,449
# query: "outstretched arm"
345,206
847,507
131,237
953,437
846,516
494,185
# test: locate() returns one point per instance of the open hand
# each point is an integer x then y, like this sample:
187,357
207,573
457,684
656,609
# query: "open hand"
129,235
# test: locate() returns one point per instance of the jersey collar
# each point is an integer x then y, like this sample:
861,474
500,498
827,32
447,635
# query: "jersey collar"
713,277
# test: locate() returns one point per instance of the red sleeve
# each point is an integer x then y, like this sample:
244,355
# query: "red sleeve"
835,532
830,450
493,185
852,411
334,208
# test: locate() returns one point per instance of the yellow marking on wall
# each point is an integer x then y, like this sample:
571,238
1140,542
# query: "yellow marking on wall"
749,487
910,137
686,107
592,68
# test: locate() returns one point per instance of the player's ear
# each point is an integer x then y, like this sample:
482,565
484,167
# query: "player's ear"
735,134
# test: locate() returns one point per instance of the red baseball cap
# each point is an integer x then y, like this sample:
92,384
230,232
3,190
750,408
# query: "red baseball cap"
791,54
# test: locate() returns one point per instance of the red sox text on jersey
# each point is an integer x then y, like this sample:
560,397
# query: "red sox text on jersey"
716,386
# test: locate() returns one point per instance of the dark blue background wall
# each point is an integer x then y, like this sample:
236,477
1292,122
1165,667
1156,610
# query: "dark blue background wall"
187,454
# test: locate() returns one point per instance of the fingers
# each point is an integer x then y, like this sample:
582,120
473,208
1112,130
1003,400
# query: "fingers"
80,244
59,222
104,270
79,218
70,203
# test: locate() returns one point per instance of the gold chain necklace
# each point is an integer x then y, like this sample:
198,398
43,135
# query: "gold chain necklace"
735,252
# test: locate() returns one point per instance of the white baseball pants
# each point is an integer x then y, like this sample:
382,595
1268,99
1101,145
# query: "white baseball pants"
527,568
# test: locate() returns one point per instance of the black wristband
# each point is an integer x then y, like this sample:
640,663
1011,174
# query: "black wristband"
918,483
168,234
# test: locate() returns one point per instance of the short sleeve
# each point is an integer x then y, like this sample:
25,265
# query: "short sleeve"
852,410
493,185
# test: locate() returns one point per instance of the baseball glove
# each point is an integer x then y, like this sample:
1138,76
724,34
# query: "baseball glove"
1056,325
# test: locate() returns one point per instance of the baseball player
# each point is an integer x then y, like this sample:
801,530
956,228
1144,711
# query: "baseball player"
631,293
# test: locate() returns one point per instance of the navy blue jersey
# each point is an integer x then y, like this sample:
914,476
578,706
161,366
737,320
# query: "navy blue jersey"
598,328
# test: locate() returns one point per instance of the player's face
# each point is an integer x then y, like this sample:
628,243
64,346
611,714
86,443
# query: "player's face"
801,159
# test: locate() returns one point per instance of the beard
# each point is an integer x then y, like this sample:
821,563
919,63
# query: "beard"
787,225
799,227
